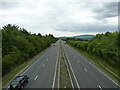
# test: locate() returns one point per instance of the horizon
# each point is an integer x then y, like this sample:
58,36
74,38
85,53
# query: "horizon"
60,36
68,18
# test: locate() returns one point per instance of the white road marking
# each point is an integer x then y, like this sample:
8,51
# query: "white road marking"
85,69
72,71
23,71
46,59
74,56
100,87
43,66
95,67
36,77
78,61
101,72
55,71
69,72
58,74
29,67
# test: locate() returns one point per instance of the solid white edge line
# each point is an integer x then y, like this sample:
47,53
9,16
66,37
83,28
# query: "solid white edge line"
68,69
26,69
72,71
58,70
94,66
55,71
58,75
102,72
29,67
69,73
35,77
108,70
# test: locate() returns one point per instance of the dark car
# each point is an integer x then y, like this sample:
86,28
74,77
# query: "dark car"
19,82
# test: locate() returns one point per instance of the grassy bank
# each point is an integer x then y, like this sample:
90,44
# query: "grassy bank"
64,75
12,74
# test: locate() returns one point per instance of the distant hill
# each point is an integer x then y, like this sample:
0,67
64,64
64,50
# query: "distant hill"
79,36
85,36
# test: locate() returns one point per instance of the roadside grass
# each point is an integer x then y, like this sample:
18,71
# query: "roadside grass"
64,75
15,71
11,75
0,68
96,60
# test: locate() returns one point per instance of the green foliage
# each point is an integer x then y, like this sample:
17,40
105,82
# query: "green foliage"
103,46
18,46
118,40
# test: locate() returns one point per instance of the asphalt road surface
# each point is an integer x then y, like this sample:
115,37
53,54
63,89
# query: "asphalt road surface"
42,72
87,75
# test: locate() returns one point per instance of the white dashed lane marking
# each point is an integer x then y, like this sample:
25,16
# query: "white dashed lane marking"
43,65
100,87
85,69
36,77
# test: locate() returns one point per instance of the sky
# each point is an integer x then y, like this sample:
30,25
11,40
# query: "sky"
61,17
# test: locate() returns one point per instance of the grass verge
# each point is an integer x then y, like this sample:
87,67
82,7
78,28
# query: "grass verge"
96,60
11,75
64,75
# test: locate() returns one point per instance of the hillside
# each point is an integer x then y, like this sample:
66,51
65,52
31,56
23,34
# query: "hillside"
84,36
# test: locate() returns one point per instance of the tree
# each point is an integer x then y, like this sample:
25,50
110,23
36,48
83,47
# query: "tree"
18,46
118,40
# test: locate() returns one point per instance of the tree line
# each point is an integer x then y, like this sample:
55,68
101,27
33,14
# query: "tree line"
18,45
105,46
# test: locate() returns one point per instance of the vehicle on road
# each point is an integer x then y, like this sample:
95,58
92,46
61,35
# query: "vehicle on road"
19,82
64,42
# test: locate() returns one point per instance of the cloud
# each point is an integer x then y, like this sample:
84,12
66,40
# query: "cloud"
106,10
60,17
9,5
88,27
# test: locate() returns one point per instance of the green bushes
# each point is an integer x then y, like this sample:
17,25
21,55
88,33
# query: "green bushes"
102,45
79,44
18,46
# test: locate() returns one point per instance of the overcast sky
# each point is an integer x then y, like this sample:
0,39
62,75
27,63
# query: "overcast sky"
61,17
